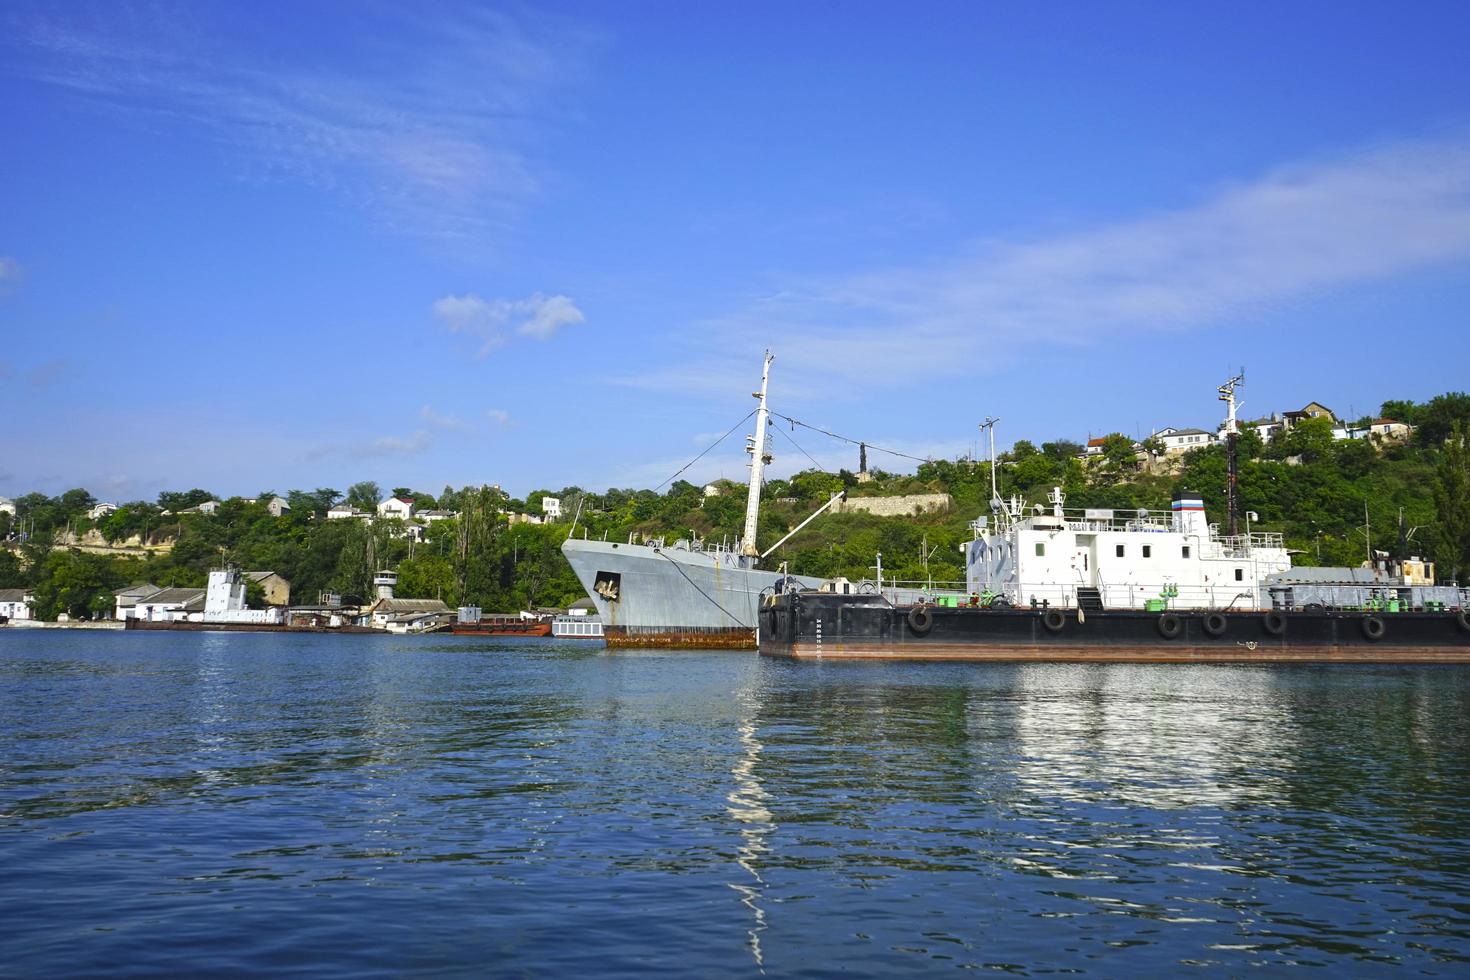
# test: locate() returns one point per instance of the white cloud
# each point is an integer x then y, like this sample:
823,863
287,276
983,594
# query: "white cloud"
498,415
1295,232
537,316
449,423
10,269
437,145
546,315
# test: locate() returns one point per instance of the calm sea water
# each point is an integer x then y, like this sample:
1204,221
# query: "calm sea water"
360,805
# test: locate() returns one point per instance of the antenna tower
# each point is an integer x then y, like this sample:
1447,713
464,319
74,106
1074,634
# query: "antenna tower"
1232,452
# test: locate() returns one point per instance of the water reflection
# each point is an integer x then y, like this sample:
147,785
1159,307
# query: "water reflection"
748,808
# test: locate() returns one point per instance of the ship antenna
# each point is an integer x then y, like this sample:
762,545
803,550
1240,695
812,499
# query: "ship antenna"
1232,455
756,446
989,424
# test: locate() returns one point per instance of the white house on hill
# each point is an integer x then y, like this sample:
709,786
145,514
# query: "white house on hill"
1183,440
396,507
551,507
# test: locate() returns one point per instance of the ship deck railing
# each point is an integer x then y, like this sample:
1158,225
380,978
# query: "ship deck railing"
1100,520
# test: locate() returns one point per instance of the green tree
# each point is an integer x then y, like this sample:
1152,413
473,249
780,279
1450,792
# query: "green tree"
364,495
1118,452
1440,416
1452,501
175,500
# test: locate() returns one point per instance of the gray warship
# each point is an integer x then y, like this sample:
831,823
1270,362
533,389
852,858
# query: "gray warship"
687,595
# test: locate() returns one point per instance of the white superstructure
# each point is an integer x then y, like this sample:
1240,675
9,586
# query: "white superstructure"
224,601
1121,559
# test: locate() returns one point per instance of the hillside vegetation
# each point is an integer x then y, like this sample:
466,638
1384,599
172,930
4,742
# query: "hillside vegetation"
1306,485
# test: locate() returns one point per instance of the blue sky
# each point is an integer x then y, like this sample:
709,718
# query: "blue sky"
254,247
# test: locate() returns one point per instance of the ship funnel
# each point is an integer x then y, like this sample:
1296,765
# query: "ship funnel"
1189,514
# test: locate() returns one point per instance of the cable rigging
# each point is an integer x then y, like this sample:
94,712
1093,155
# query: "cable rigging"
850,441
705,452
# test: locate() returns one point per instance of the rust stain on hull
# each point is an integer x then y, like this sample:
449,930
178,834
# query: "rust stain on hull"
733,639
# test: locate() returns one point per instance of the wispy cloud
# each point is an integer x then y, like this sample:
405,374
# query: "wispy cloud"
1295,232
448,423
423,119
414,444
499,416
494,321
10,270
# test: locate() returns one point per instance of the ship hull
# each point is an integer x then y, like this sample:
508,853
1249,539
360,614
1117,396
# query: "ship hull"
828,627
672,598
528,628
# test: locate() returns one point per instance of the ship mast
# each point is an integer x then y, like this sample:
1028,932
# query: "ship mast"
756,446
1232,433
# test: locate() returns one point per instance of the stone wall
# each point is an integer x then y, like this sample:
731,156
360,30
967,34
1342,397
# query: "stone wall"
904,506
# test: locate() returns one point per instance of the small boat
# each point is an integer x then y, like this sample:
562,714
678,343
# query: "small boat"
472,623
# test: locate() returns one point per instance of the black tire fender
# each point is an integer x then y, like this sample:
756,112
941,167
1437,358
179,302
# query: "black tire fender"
1274,623
1215,624
1373,628
1053,620
920,620
1170,626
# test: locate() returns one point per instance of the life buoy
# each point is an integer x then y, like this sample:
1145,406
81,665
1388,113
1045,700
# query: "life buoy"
1053,620
1215,624
1274,623
1373,628
1170,626
921,620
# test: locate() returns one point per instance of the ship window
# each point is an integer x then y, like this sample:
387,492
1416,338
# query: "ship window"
1148,551
1040,548
1186,551
1240,575
1120,550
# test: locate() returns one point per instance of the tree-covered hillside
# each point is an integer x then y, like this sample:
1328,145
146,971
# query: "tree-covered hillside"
1318,491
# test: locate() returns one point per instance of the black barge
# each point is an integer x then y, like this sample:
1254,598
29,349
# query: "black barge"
830,626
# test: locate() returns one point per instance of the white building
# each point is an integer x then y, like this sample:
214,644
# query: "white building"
1183,440
1390,430
430,516
343,512
98,511
169,605
210,506
1267,428
400,508
15,604
128,599
551,507
224,601
276,505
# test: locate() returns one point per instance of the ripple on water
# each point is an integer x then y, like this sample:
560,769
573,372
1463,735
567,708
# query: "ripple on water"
368,805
